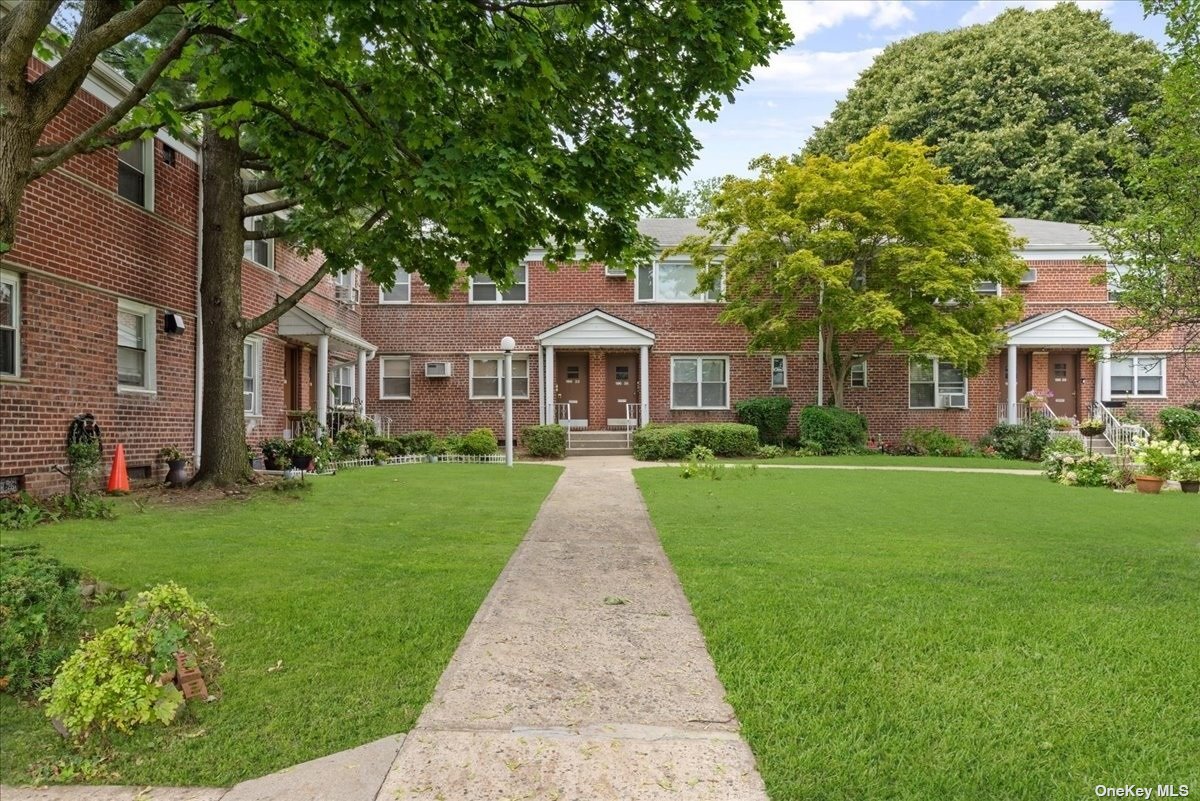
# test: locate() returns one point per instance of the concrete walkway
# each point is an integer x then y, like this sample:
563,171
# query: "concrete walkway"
584,674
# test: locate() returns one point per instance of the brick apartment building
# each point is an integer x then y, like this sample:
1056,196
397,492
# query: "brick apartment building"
106,267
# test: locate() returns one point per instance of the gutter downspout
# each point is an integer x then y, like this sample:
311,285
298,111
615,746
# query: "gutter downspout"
198,403
820,348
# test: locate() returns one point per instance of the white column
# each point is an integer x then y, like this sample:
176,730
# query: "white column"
644,371
508,423
321,386
1104,388
550,385
541,385
360,376
1012,385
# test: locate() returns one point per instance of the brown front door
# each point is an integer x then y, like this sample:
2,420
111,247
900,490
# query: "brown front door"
620,385
1063,380
571,385
291,377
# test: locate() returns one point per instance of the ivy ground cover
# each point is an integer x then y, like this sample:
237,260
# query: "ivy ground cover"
342,607
957,636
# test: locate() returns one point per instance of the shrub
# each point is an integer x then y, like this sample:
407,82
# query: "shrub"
933,442
654,444
349,442
548,440
724,439
1064,446
830,430
417,442
389,445
768,452
40,616
23,511
304,446
1079,471
1019,440
83,460
768,415
701,462
113,681
480,442
1181,424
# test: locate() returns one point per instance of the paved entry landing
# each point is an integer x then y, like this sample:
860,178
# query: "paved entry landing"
584,674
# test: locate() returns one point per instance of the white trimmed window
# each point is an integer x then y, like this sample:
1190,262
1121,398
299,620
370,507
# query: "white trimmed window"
401,291
936,384
252,377
989,288
10,324
858,375
345,287
1114,274
487,377
700,382
778,372
395,377
135,346
484,289
135,172
1140,376
673,282
259,251
341,385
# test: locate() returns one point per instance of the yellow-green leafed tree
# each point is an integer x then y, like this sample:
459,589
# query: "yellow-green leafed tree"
880,249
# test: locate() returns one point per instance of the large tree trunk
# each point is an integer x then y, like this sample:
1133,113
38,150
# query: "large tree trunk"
16,153
834,367
222,428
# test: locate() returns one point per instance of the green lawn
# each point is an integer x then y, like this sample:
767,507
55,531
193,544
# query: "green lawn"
362,589
916,636
887,460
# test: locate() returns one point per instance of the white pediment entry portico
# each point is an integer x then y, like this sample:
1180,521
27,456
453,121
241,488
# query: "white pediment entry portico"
1063,327
597,329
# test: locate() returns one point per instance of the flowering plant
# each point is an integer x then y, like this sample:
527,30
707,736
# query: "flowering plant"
1036,396
1189,471
1160,457
1092,427
1079,471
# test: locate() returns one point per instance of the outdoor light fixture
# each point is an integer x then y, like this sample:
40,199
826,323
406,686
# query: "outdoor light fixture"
173,323
507,344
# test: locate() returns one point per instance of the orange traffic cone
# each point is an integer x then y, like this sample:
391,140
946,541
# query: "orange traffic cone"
118,479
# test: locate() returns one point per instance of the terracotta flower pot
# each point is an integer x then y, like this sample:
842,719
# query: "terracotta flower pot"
1151,485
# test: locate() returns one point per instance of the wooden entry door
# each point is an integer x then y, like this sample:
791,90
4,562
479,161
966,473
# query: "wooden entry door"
1063,381
620,386
571,385
291,377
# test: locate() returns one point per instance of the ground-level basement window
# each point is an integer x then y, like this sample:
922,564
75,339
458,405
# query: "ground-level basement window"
700,382
1139,376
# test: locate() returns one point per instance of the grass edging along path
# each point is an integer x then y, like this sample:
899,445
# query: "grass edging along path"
959,636
360,592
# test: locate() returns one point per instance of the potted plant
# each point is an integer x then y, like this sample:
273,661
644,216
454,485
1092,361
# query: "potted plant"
257,462
1158,459
276,453
176,465
1063,424
1188,476
303,452
1092,427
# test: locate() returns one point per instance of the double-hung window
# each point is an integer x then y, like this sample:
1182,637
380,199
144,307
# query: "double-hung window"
395,377
1113,273
936,384
345,287
252,377
135,346
858,375
487,377
401,291
341,385
484,289
673,282
778,372
10,324
260,251
135,177
1139,376
700,382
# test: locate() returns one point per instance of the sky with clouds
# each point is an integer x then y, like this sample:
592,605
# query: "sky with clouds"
835,41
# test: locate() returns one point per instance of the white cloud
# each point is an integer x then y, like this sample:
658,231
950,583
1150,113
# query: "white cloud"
806,17
815,71
987,10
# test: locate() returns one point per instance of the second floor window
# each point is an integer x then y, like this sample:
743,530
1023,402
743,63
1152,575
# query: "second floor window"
345,287
484,289
259,251
134,162
401,291
672,282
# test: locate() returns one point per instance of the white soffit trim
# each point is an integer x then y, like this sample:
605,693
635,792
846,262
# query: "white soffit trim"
596,329
1063,327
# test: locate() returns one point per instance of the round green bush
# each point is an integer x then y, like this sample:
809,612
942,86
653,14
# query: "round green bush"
545,441
480,442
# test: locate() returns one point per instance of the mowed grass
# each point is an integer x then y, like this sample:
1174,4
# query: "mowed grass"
360,592
953,636
889,460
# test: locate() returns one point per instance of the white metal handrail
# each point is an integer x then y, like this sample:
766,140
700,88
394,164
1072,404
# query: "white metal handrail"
562,416
632,411
1120,435
1025,412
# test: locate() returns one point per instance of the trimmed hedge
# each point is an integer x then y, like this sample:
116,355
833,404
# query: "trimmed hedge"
830,430
480,442
655,443
417,442
548,440
768,415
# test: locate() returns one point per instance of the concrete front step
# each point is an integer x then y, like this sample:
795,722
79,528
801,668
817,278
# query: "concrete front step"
600,451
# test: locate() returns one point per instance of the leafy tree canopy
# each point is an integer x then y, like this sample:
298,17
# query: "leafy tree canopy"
1030,109
878,248
1157,245
680,202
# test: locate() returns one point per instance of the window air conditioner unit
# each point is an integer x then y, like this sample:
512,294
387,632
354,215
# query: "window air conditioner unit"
614,272
1029,277
437,369
345,294
955,400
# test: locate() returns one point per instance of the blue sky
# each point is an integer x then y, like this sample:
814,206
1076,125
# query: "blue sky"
835,41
